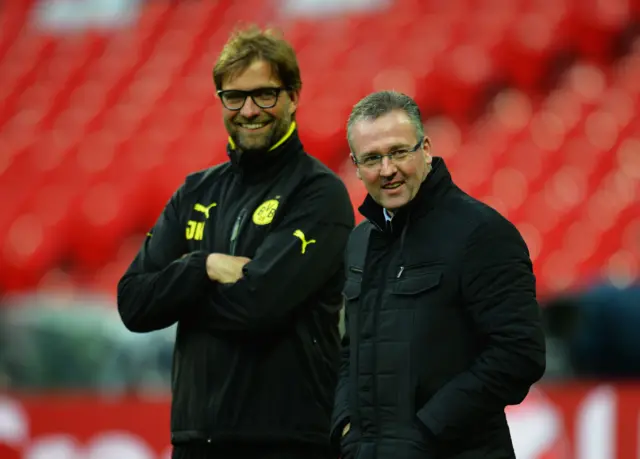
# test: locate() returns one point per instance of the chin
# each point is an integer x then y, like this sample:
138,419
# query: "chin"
393,204
252,144
389,204
256,141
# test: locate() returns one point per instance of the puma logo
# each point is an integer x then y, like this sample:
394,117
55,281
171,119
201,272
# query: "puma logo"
203,209
300,235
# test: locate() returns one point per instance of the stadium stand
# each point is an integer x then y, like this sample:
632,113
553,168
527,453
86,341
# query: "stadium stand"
533,103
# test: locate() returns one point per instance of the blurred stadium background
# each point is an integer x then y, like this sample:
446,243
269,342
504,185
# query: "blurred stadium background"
108,104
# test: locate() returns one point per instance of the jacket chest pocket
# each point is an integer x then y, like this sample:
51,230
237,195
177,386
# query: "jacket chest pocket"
352,291
353,285
415,288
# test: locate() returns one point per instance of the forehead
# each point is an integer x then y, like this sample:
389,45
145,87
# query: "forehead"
258,74
390,130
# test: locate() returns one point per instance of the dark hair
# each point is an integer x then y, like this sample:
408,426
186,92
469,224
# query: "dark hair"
248,45
380,103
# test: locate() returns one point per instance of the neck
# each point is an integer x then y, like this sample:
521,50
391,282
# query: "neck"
255,165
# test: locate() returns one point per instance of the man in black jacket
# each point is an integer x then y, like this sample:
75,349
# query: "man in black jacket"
247,259
442,323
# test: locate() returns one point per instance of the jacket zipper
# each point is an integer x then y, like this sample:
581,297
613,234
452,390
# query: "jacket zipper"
235,232
356,422
376,312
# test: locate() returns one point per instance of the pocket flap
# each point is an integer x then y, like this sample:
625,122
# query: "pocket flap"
352,290
417,284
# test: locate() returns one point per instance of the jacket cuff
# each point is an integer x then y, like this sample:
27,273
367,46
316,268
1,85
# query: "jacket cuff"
336,432
198,260
428,425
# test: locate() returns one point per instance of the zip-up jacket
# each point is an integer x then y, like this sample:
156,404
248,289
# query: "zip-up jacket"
255,362
442,329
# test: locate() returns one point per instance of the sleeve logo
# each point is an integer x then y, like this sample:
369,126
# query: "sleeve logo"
300,235
204,209
195,229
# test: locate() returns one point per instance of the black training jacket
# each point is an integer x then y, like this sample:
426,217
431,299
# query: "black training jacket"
255,361
443,329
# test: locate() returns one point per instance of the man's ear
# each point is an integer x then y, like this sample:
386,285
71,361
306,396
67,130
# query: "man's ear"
427,151
427,144
353,160
294,96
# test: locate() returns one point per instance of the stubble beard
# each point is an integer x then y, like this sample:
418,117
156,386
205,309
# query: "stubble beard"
246,142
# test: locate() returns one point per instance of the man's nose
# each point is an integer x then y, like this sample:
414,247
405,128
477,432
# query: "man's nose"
387,167
249,109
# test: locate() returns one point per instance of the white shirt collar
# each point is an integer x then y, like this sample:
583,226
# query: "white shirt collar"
387,216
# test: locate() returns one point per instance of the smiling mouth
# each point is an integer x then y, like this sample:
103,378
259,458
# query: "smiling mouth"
253,126
392,186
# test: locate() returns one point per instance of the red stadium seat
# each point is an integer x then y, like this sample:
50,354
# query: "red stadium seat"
598,24
99,128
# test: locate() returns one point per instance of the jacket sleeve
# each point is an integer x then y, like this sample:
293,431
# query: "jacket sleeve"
162,278
498,286
341,406
295,260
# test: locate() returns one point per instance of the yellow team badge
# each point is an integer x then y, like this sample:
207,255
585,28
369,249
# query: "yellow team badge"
263,215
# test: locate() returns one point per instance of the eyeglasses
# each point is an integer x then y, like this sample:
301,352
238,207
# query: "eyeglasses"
234,99
396,157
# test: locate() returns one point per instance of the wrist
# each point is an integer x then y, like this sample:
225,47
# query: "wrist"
211,266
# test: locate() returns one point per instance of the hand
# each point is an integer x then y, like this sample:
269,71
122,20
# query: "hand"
348,450
225,269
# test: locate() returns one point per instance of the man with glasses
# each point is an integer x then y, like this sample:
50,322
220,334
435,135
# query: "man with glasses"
247,259
442,322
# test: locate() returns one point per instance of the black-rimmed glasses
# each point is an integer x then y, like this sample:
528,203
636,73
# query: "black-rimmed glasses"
234,99
373,161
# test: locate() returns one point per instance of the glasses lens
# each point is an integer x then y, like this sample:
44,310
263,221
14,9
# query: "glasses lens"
266,97
233,100
371,161
400,156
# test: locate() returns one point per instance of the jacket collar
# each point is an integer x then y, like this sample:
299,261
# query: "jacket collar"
434,187
255,165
